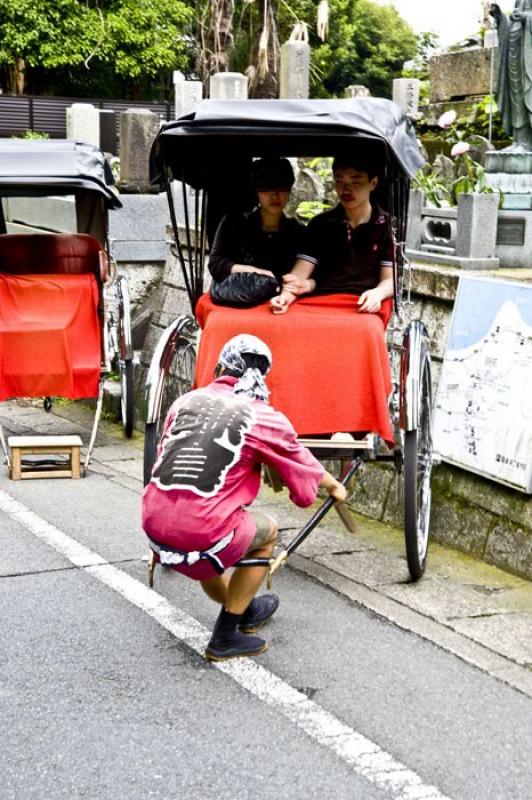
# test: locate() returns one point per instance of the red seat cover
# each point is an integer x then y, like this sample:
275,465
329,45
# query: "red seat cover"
331,370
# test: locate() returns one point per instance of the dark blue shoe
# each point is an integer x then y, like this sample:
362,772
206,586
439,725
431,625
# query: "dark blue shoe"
258,612
237,646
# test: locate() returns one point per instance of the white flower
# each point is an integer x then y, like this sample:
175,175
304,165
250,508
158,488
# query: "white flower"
447,119
460,148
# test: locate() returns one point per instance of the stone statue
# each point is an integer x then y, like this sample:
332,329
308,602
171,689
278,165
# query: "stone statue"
514,84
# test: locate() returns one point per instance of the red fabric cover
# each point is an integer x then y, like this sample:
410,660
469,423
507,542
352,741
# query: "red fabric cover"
45,253
331,370
49,336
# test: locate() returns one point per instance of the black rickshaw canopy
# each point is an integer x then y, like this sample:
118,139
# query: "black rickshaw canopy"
211,150
219,129
40,168
45,168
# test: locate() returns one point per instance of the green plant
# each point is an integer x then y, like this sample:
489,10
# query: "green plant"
309,208
32,135
435,191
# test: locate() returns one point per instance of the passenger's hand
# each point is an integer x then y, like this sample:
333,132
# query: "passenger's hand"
281,303
338,491
369,301
298,285
246,268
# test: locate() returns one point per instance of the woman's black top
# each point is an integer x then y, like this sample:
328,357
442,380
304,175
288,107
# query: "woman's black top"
241,240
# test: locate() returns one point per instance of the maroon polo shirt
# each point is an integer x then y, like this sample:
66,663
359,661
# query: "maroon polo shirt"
348,260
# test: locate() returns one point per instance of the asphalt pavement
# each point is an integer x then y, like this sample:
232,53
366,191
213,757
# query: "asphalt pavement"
372,687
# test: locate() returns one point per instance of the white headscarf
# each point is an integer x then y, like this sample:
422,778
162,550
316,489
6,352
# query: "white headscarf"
251,381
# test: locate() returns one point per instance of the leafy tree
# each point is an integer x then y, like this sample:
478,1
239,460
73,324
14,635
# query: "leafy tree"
37,32
367,43
368,46
134,39
142,37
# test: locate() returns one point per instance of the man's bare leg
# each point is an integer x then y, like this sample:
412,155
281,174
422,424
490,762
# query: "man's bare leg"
245,581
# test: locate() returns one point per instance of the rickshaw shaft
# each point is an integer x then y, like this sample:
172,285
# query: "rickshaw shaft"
316,518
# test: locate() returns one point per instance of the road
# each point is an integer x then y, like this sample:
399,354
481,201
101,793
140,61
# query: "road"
105,694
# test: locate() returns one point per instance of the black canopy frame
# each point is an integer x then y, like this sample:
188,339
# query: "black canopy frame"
44,168
211,150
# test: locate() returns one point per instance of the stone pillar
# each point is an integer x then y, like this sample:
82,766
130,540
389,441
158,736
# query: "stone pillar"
415,212
187,94
477,225
138,129
295,69
83,123
108,137
228,86
357,90
406,95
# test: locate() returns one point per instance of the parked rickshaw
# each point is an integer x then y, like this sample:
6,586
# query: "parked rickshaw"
209,151
65,313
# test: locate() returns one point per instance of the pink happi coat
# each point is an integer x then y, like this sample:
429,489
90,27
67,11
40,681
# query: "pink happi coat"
208,471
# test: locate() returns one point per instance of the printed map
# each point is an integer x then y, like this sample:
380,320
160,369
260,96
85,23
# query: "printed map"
483,413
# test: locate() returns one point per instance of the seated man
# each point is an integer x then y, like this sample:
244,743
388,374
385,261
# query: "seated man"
207,474
347,250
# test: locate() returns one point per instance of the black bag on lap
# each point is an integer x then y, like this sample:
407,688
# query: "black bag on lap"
244,289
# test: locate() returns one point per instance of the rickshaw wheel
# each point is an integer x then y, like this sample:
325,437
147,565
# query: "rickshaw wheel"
178,378
417,469
126,395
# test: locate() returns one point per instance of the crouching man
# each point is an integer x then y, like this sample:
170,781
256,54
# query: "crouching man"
208,472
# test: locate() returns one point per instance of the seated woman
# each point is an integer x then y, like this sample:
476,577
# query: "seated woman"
347,250
264,240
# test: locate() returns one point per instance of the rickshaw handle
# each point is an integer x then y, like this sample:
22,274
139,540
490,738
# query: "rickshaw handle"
319,514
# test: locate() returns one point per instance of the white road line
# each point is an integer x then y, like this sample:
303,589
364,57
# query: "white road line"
364,757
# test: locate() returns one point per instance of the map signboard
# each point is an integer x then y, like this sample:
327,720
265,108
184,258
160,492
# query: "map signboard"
483,412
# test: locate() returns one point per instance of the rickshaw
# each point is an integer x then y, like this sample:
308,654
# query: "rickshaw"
209,152
65,320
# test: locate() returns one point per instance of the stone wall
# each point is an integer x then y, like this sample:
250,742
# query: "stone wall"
473,514
460,74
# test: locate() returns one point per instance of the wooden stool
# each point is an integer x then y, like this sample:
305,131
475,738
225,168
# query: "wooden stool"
44,445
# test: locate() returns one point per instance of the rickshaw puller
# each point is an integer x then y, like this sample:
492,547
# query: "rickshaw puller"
206,475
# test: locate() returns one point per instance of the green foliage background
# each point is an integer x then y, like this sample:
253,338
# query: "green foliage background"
129,48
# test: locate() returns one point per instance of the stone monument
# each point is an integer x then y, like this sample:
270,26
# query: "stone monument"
187,94
138,129
295,64
228,86
83,123
406,95
510,169
357,90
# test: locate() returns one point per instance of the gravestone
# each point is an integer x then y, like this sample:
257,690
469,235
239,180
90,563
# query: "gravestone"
108,137
228,86
138,129
357,90
295,69
187,94
83,123
406,95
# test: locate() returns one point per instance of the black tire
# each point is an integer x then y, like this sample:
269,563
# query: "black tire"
178,381
126,396
150,449
417,468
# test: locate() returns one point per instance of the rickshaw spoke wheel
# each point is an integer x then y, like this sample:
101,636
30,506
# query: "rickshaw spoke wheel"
417,479
179,377
126,395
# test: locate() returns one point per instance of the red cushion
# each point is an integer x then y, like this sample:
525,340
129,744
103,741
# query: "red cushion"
49,253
